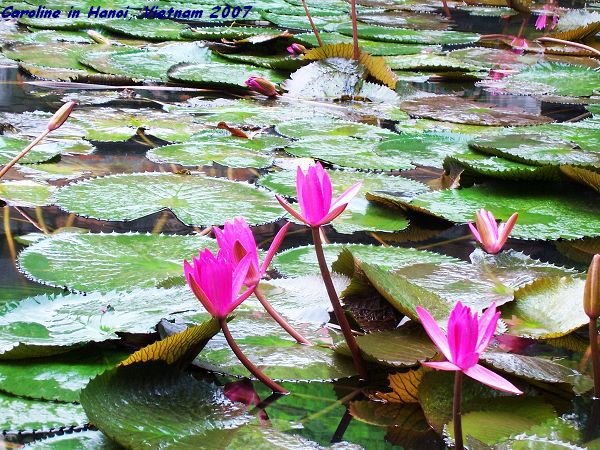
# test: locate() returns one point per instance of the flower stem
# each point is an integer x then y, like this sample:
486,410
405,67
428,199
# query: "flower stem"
446,9
458,437
569,43
16,159
355,31
595,356
312,24
337,307
246,362
280,320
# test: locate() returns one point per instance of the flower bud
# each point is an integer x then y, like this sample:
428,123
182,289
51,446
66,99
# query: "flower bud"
591,292
97,37
262,86
296,49
61,116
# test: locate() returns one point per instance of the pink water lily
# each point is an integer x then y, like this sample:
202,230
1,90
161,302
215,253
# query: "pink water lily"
487,232
239,231
217,280
314,193
296,49
468,336
262,86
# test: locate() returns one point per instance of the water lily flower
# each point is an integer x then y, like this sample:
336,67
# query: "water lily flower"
296,49
541,22
468,336
239,231
315,197
519,42
487,232
217,280
61,116
262,86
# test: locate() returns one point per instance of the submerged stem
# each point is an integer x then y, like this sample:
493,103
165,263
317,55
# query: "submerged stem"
595,356
280,320
16,159
355,31
456,415
337,307
246,362
312,24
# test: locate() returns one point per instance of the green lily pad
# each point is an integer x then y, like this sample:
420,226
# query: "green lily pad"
286,21
11,147
23,414
149,64
554,78
229,32
544,212
535,149
405,36
195,199
206,148
83,440
106,262
220,75
47,325
494,57
328,126
348,152
57,378
372,47
429,62
449,108
547,308
60,55
146,29
302,260
288,63
26,193
152,405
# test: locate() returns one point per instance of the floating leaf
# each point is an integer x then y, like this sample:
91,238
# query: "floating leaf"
302,260
146,29
583,176
45,325
405,387
458,110
62,55
81,440
194,199
106,262
548,308
577,25
151,405
328,126
26,193
544,212
228,32
404,36
58,378
11,147
288,63
220,75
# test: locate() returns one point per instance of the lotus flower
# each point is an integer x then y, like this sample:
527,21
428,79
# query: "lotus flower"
487,232
315,197
296,49
468,336
262,86
239,231
216,281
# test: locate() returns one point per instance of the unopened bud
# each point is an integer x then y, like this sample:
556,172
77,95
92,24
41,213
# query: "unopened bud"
296,49
61,116
97,37
591,292
262,86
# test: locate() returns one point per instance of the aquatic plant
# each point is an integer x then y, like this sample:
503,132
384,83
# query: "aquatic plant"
466,339
487,232
591,306
262,86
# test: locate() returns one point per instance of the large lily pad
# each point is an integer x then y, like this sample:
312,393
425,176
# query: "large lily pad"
458,110
26,193
328,126
544,212
106,262
57,378
146,29
83,440
58,55
46,325
11,147
194,199
548,308
151,405
302,260
220,75
405,36
228,32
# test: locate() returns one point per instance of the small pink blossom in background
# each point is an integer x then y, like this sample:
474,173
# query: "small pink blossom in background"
217,280
243,392
314,193
519,43
541,22
296,49
239,231
262,86
468,336
487,232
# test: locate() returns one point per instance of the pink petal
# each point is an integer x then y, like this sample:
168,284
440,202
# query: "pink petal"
315,205
239,275
441,365
487,327
300,180
491,379
332,215
347,195
197,290
475,232
221,239
435,333
506,228
273,248
290,210
247,293
325,184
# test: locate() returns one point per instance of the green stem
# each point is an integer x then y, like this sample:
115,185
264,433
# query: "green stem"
456,418
337,307
595,356
16,159
280,320
246,362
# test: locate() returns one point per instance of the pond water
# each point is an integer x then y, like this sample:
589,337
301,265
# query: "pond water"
89,266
